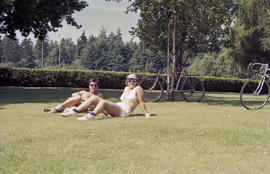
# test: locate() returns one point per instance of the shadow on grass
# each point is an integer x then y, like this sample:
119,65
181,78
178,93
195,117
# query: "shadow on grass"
14,95
212,98
131,115
232,99
141,115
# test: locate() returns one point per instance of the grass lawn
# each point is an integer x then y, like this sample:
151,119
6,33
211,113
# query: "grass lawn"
216,136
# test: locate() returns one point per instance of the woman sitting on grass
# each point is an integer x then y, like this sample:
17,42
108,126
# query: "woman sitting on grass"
131,97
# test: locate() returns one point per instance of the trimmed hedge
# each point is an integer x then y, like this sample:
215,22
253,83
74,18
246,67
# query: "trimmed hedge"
219,84
59,78
108,79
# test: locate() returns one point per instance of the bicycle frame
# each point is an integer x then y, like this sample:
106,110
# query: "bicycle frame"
255,92
260,86
192,89
158,76
263,70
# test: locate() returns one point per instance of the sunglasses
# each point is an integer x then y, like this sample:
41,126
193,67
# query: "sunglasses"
93,85
132,80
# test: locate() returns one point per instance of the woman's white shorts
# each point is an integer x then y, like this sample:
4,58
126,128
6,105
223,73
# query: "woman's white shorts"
126,109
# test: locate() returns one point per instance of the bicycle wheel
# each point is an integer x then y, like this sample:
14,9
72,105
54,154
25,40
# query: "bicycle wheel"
192,90
153,89
251,99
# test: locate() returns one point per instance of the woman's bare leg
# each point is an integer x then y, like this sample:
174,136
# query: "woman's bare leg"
104,106
110,107
92,101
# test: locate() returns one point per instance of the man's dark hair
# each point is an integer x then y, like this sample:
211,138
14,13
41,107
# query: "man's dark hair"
93,80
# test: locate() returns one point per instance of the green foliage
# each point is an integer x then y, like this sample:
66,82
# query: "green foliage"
37,17
200,25
108,79
41,50
81,43
217,64
10,51
67,52
220,84
27,57
59,78
251,33
52,59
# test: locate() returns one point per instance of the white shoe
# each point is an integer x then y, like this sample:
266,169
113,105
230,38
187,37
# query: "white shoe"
87,117
69,113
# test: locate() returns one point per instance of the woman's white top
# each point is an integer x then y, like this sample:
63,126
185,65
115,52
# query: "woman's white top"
131,96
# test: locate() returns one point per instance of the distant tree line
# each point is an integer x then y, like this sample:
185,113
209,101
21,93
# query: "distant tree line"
104,52
177,31
108,53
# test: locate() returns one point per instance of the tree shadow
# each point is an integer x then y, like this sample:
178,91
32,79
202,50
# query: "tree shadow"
232,99
213,98
16,95
131,115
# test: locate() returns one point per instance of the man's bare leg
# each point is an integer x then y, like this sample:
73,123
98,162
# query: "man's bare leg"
72,101
89,103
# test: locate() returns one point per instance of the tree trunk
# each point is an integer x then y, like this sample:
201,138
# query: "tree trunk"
42,58
174,58
168,96
59,56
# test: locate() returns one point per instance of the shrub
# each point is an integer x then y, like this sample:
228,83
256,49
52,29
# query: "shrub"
107,79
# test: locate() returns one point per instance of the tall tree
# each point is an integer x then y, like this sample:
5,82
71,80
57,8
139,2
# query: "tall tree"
67,51
52,59
137,61
196,25
143,59
37,16
27,57
41,51
117,52
251,32
11,51
1,52
95,55
81,44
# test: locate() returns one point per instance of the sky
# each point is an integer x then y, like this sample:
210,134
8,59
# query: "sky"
110,15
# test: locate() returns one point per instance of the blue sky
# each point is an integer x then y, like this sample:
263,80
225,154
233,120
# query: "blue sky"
99,13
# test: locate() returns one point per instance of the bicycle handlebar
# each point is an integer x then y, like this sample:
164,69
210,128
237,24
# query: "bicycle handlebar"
263,67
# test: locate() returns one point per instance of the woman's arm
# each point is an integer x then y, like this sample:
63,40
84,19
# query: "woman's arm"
140,95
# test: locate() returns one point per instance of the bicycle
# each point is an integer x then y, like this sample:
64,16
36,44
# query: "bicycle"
191,88
255,92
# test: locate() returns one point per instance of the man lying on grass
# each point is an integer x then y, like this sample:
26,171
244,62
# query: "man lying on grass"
77,98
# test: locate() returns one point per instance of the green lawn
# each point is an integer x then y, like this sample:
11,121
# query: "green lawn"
216,136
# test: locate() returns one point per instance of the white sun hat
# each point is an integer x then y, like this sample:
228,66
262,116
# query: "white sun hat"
132,76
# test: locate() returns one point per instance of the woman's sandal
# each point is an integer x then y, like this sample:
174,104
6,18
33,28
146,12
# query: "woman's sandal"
51,110
47,109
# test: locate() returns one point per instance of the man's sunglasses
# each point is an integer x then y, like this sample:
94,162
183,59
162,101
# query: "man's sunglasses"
93,85
132,80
